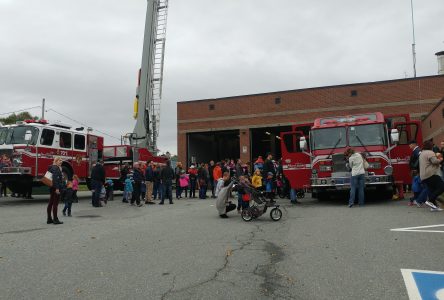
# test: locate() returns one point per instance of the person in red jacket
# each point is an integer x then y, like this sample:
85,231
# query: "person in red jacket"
192,172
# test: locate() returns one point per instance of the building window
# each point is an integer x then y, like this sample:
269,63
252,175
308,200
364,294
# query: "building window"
354,93
211,107
277,100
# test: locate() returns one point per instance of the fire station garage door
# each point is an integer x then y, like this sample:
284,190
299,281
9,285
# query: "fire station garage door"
213,145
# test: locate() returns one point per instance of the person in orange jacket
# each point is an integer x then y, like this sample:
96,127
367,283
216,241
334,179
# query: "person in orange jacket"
217,174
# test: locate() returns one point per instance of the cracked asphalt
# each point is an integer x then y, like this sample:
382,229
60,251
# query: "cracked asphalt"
319,250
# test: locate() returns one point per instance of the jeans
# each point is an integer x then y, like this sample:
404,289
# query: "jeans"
167,191
53,203
203,192
97,187
436,187
192,188
136,193
68,206
422,197
157,190
357,183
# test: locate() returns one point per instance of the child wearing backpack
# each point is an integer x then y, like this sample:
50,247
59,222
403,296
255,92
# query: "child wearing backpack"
128,191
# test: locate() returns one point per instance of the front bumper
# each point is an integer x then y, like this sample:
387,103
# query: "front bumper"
344,182
15,171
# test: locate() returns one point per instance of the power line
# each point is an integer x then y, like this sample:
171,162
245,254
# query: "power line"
16,111
80,123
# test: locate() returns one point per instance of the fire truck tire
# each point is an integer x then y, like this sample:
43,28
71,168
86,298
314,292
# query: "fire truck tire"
275,214
67,174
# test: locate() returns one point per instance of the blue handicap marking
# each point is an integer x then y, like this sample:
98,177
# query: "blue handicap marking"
424,285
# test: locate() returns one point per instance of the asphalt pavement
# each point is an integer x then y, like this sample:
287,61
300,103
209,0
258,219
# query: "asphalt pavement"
318,250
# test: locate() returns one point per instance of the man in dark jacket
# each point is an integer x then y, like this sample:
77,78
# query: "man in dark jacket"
138,179
166,178
211,182
269,166
97,182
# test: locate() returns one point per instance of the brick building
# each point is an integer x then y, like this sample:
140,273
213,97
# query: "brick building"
433,124
249,125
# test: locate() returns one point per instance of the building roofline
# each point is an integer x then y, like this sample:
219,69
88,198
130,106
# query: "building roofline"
311,88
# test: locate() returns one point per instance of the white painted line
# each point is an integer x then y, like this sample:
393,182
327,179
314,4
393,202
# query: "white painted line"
420,228
428,288
410,284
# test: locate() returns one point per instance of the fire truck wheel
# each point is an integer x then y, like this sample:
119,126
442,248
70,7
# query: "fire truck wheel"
275,214
67,174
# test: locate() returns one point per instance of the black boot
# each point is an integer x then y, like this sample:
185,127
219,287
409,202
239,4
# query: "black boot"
57,221
50,221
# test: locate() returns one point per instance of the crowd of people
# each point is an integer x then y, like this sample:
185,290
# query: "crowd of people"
144,183
426,167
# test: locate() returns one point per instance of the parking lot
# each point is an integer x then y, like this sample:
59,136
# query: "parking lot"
319,250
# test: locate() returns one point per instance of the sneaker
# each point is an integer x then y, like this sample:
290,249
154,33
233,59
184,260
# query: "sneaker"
224,216
411,203
350,205
139,205
436,209
419,204
430,204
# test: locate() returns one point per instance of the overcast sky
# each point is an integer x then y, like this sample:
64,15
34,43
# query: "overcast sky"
83,56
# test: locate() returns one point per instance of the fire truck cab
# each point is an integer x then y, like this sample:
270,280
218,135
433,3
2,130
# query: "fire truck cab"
317,162
28,148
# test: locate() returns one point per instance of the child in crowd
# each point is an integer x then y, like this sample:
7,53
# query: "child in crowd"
269,186
256,181
102,197
109,186
184,180
128,190
75,188
68,198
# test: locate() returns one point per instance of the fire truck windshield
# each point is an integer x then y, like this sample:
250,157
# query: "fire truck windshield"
3,134
367,135
328,138
17,134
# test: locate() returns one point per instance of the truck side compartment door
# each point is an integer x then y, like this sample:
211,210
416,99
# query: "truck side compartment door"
400,155
296,164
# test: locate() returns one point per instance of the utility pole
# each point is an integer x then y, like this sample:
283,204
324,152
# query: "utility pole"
43,109
414,42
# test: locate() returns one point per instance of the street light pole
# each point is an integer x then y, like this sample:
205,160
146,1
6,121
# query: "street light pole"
414,41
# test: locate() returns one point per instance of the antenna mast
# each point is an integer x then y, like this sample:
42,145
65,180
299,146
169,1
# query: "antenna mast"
414,42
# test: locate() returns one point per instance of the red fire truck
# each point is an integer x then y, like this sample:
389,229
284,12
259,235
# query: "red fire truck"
315,159
29,147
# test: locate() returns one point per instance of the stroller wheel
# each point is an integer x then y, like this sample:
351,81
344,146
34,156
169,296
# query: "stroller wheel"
247,215
275,214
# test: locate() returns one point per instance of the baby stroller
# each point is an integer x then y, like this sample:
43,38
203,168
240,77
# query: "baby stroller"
259,205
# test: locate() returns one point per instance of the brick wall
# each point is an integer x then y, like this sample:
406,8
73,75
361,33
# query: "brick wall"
433,124
415,96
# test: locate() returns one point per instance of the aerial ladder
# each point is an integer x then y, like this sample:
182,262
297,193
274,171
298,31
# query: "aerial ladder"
149,89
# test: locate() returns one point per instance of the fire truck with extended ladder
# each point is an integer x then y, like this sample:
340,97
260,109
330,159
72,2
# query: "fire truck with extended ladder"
314,159
29,147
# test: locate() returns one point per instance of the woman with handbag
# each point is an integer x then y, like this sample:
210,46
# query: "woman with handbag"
56,171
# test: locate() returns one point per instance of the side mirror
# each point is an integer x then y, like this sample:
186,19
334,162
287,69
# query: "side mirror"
394,134
303,143
28,136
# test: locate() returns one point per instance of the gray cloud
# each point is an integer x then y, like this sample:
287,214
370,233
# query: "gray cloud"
83,56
